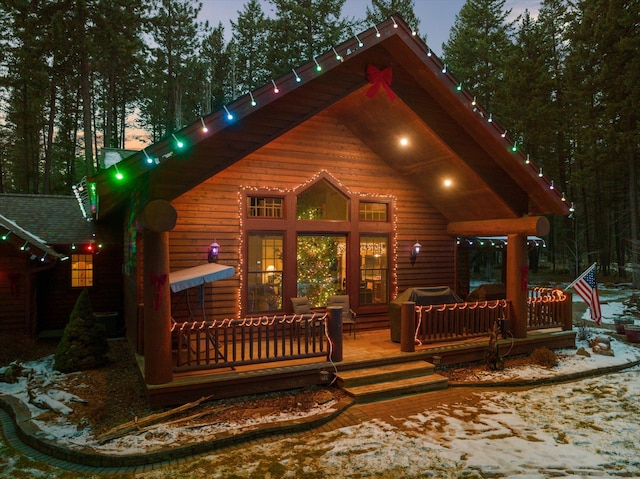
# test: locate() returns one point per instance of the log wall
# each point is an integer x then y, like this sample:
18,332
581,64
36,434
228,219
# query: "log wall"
211,210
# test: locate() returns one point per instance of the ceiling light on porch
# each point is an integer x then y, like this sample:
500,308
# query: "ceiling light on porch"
447,182
404,141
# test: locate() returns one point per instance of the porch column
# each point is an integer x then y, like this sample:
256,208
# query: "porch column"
158,217
517,274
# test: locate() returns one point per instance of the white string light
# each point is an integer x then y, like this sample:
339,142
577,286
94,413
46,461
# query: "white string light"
204,127
338,56
318,67
540,174
360,44
276,90
377,31
298,79
253,100
395,24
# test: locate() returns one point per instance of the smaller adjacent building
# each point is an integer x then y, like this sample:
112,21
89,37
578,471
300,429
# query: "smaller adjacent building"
49,250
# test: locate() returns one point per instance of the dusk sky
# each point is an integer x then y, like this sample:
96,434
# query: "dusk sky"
436,16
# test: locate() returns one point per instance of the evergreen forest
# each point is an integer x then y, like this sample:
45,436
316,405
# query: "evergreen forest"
78,76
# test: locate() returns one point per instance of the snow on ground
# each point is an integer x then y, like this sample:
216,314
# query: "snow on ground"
584,428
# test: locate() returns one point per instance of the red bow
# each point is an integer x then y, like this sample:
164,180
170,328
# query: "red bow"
379,79
157,280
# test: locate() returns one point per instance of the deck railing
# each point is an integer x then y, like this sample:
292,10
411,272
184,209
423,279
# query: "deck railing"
548,308
447,322
235,342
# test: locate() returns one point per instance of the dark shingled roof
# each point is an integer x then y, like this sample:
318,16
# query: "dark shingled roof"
55,219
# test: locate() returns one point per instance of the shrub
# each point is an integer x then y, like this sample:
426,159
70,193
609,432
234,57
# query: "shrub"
84,341
544,357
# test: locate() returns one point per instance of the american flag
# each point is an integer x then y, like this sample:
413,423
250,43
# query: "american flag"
587,287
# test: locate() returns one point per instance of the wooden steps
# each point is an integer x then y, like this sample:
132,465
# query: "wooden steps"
390,380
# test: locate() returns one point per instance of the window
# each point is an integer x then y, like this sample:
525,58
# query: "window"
322,267
374,269
265,207
322,202
264,261
81,270
373,211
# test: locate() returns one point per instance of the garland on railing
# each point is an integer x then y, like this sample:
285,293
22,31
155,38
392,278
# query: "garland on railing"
547,295
259,321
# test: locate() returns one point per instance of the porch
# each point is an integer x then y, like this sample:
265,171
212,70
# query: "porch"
228,375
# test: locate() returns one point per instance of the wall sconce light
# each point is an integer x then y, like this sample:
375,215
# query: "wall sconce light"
415,251
214,250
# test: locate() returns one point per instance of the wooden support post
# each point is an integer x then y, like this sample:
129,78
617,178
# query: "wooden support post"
335,332
517,274
407,327
158,218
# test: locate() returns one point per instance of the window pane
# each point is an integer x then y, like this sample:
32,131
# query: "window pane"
374,270
322,202
265,207
322,267
264,278
373,211
81,270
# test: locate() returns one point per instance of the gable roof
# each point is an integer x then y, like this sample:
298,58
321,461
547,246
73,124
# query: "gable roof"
53,219
449,136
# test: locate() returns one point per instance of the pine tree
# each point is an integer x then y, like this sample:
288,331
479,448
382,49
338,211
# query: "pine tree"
381,10
215,61
303,29
84,341
251,48
478,48
172,93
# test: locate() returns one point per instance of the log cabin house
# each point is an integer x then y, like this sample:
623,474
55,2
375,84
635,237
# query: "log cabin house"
355,174
49,252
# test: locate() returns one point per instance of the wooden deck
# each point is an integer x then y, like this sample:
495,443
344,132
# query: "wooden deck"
370,348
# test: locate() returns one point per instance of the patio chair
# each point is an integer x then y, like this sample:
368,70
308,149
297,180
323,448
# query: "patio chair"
348,315
301,305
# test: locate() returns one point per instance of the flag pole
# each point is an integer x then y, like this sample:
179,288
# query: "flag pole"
582,275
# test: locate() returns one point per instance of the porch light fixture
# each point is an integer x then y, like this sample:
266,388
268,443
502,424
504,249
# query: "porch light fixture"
415,251
214,250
